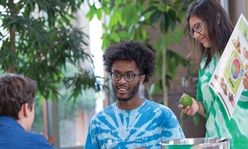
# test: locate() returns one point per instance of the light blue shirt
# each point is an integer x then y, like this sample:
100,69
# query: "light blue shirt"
146,127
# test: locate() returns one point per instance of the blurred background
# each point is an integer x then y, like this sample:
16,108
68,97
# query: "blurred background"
60,45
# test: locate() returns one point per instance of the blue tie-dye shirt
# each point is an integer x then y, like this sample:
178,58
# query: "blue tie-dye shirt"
146,127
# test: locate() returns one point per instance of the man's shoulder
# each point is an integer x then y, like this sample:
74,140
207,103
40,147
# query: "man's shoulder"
25,140
35,135
156,104
155,107
29,136
103,113
41,140
107,110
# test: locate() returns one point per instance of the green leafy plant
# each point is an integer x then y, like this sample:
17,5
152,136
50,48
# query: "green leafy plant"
37,39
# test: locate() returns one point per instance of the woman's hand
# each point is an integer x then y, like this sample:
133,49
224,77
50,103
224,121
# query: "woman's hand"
190,110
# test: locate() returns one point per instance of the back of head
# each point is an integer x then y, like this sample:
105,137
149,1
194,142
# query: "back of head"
218,25
131,50
15,91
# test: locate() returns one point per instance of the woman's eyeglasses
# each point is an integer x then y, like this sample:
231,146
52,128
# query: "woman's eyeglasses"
197,28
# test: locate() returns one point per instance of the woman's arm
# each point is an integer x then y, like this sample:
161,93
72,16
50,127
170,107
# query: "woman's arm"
201,108
195,107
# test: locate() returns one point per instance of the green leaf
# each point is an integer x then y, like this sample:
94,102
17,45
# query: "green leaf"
155,16
91,13
149,9
164,23
114,18
173,18
155,88
196,119
105,27
159,44
99,14
124,34
144,33
114,36
106,10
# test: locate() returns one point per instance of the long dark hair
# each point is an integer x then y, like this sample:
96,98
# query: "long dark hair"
218,24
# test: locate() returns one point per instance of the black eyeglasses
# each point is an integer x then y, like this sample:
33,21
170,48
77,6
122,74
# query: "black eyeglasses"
127,77
197,28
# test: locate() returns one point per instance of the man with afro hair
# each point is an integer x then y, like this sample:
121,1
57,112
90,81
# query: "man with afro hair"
132,121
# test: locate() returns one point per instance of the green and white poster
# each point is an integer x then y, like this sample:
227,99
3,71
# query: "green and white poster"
227,78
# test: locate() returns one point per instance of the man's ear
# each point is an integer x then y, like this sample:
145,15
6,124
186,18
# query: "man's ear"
142,78
26,109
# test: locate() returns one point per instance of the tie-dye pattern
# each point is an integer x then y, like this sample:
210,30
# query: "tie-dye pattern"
145,126
217,121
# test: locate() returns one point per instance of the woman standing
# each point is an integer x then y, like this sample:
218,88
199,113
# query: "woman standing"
210,29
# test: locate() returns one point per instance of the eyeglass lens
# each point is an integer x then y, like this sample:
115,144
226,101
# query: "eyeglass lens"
197,28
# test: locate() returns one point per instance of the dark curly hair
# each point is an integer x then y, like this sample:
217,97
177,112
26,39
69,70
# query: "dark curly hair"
15,90
131,50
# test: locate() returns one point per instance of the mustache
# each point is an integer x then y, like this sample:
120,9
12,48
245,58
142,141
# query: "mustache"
122,86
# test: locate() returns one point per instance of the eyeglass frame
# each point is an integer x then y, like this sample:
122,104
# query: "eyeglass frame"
192,30
124,75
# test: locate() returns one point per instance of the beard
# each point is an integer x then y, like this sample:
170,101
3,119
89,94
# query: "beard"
130,96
